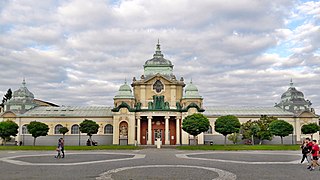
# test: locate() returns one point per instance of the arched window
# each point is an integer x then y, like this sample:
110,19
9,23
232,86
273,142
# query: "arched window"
75,129
24,129
209,130
108,129
57,128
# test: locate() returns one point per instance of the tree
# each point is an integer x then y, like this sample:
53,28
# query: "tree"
281,128
6,97
63,131
195,124
227,125
90,127
37,129
234,137
250,130
264,132
310,129
7,129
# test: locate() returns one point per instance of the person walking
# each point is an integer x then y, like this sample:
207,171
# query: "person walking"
62,147
58,149
305,151
309,145
315,153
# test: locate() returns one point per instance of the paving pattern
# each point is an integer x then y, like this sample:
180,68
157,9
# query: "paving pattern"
155,164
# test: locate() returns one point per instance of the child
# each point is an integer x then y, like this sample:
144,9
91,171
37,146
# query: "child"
59,149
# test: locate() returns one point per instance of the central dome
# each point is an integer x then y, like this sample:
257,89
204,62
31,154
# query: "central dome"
292,94
23,92
158,64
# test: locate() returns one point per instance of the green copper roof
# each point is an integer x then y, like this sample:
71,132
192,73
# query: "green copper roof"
158,64
191,91
124,91
293,100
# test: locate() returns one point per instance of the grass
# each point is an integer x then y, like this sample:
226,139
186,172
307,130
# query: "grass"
240,147
198,147
52,148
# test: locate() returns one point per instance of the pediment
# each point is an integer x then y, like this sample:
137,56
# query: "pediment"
8,114
307,114
156,77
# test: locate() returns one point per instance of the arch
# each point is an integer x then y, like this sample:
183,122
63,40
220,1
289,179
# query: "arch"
57,128
75,129
123,105
209,130
194,105
123,129
24,129
108,129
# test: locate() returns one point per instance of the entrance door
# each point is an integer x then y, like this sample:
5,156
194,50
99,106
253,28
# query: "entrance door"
158,133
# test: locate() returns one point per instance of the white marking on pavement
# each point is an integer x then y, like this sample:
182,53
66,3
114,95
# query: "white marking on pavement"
223,175
18,162
187,156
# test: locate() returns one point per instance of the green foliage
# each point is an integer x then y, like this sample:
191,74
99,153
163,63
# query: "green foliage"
310,128
227,125
234,137
6,97
264,132
195,124
63,130
7,129
281,128
37,129
90,127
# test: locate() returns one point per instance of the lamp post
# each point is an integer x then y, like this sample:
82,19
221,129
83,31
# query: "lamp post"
79,135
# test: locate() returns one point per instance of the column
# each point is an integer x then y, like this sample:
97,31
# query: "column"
138,130
297,129
177,130
166,131
149,142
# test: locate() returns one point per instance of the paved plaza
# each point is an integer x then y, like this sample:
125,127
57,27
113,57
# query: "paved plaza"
155,164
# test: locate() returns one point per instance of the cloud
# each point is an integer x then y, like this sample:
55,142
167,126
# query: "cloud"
79,52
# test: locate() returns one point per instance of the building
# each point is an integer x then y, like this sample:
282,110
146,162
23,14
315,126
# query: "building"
154,106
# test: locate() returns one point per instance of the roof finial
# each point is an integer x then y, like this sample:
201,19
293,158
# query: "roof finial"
24,82
191,81
125,80
158,51
291,83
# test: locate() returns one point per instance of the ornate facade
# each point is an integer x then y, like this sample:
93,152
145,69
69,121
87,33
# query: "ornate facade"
154,106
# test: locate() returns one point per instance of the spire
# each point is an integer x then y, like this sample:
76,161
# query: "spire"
125,80
158,51
291,83
191,81
23,82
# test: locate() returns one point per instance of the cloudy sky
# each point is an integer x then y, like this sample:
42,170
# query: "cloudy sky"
238,53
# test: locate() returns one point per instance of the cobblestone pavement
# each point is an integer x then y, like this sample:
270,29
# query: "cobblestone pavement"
155,164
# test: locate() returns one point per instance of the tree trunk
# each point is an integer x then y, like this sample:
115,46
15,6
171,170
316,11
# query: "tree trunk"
4,142
34,141
90,140
225,140
281,140
195,140
260,141
252,140
311,136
